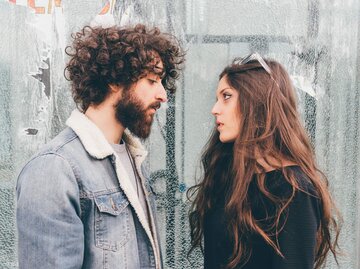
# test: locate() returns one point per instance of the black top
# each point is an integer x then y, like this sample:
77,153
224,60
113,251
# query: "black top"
297,240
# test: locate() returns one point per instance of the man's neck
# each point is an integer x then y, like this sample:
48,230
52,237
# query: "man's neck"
104,118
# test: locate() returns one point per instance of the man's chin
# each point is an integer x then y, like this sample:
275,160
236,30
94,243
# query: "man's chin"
143,132
142,136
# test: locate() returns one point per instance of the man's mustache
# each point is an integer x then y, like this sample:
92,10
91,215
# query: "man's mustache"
155,105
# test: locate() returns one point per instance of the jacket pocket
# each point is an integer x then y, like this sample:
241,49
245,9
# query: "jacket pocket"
112,220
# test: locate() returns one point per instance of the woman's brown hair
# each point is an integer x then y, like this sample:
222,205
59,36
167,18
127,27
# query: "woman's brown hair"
270,129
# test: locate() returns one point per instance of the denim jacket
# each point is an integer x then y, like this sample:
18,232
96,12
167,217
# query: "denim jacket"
76,206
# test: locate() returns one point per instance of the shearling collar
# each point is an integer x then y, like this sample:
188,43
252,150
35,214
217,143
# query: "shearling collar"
94,140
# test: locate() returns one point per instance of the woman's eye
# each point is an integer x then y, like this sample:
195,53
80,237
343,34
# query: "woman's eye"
226,96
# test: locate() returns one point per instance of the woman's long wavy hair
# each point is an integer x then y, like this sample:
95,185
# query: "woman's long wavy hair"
270,128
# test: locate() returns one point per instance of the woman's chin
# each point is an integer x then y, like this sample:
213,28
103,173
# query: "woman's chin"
224,139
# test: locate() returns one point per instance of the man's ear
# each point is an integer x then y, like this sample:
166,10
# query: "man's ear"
115,93
114,89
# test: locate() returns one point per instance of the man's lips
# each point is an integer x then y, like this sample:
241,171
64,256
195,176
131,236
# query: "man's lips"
153,108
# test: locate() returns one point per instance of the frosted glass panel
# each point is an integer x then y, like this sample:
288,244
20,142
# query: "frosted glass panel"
316,40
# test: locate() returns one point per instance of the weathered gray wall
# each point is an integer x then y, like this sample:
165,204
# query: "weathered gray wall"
317,40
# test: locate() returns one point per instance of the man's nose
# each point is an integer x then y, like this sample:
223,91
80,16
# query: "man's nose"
161,94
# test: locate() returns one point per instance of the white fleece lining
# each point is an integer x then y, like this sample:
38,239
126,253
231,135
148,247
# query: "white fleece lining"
98,147
90,135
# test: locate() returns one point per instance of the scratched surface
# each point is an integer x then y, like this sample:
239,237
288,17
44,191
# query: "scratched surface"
316,40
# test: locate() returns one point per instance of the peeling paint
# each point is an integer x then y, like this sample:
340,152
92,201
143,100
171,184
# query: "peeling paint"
31,131
44,77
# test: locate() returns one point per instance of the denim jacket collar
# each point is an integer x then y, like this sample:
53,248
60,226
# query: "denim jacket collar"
98,147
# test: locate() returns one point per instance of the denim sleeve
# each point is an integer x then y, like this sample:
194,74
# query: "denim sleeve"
50,231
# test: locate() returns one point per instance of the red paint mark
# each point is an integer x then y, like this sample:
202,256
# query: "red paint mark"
50,5
57,3
38,10
105,9
41,10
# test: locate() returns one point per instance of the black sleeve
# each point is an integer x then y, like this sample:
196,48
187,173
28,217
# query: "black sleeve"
297,240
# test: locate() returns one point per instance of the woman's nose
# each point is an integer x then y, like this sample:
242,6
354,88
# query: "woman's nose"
215,109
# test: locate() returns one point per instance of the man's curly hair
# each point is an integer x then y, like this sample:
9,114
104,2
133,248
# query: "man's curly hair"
100,57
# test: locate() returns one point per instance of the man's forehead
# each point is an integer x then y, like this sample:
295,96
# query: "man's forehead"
158,67
156,64
156,59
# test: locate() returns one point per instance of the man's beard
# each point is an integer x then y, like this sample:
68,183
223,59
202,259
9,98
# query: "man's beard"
132,114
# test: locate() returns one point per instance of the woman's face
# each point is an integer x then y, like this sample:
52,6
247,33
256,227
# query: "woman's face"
226,112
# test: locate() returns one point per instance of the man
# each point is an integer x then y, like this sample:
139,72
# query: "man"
83,201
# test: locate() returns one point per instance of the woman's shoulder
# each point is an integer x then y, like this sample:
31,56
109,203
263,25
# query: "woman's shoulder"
281,181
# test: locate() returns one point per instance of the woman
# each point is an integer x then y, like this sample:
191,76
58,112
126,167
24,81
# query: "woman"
262,202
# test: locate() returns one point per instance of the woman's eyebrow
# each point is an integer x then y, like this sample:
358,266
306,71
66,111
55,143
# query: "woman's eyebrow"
222,90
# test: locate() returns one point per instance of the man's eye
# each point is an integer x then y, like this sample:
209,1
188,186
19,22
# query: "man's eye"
152,81
226,96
